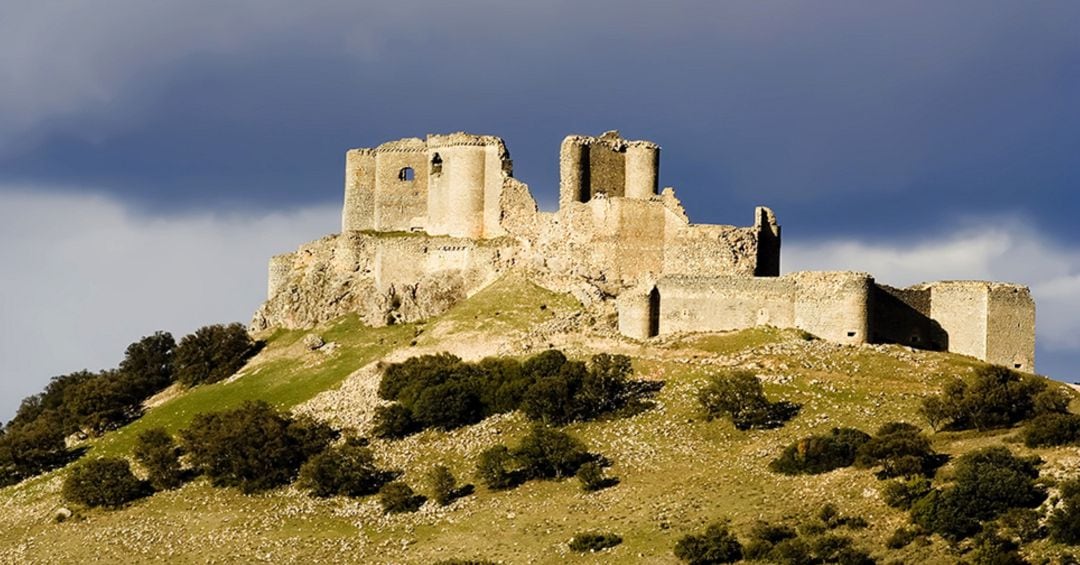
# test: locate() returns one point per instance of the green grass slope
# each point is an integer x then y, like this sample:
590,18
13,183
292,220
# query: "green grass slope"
677,472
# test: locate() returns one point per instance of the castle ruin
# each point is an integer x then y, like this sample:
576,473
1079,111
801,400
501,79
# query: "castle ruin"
428,222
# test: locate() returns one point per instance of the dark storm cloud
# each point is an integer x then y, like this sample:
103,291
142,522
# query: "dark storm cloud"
831,112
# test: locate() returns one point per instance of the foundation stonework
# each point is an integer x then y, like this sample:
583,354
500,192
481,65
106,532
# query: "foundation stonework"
428,222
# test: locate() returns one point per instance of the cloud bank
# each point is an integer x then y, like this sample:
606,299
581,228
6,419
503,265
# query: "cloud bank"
83,277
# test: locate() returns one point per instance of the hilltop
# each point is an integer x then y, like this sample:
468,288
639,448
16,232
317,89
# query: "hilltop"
677,472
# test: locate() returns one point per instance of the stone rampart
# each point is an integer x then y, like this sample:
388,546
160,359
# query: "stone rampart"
427,222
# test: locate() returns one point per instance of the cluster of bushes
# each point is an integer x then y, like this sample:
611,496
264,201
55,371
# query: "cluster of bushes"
998,397
1064,522
92,403
986,484
443,392
545,453
348,469
740,397
898,448
813,542
253,447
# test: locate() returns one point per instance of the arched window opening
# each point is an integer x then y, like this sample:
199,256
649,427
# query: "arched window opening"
436,164
406,174
654,313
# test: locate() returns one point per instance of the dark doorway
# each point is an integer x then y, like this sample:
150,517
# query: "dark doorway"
654,313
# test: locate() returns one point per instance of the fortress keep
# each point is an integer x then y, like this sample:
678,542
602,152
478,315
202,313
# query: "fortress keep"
428,222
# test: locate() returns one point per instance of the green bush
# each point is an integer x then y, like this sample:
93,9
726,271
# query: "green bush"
1022,524
986,483
1052,429
587,541
32,447
212,353
393,421
345,470
1064,522
716,545
739,396
820,453
156,451
1052,401
497,469
902,537
398,497
441,391
998,397
106,482
547,453
990,549
253,447
592,477
148,365
443,485
901,450
763,539
903,493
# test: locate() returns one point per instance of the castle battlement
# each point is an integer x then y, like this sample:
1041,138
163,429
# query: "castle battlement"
428,222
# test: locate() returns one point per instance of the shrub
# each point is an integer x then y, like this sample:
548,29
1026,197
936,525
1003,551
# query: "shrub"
715,545
441,391
497,469
592,477
106,482
1052,401
900,449
586,542
398,497
764,537
442,484
997,397
903,493
1064,522
990,549
393,421
32,447
212,353
148,364
1022,524
740,397
820,453
253,447
987,482
156,451
901,538
547,453
1052,429
345,470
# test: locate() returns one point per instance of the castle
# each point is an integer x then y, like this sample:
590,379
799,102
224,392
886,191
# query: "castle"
428,222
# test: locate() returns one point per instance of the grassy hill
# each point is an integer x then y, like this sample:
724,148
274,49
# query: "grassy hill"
677,471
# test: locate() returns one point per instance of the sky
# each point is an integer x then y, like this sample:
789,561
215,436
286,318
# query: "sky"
154,155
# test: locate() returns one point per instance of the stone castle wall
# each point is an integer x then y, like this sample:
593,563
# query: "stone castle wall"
428,222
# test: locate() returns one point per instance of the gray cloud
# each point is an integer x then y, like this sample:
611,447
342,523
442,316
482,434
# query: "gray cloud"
83,278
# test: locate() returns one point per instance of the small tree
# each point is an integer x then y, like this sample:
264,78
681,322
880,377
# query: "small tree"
398,497
739,396
393,421
497,469
1052,429
346,470
158,453
592,477
1064,522
106,482
715,545
212,353
253,447
442,484
900,449
547,453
